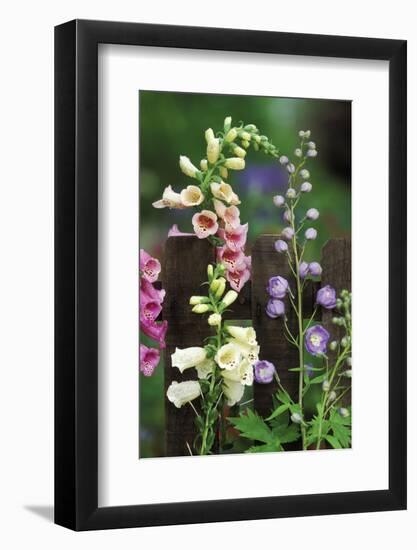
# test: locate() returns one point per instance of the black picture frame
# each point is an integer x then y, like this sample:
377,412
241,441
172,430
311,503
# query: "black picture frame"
76,271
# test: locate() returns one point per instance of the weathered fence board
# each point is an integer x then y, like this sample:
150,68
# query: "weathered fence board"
184,270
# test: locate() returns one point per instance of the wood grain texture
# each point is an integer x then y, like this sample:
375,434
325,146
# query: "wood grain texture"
184,270
266,262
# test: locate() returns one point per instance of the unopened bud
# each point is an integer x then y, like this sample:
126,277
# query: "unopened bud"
194,300
291,193
235,163
333,345
283,160
311,153
221,288
298,153
343,412
296,418
223,172
245,143
210,271
279,200
325,386
311,145
245,136
229,298
349,361
291,168
209,135
305,174
203,165
213,150
332,396
201,308
239,152
214,319
231,135
227,123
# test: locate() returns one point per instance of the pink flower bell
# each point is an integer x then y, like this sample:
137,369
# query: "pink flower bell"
237,279
235,237
233,260
149,359
229,214
150,267
156,331
205,224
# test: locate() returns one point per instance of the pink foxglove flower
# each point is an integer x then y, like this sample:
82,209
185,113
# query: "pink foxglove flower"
150,267
149,310
149,359
229,214
235,237
156,331
233,260
205,224
238,278
175,232
148,293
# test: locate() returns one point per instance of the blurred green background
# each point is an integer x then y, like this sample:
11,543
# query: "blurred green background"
174,123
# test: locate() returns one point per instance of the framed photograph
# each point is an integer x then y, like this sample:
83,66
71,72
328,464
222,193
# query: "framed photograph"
230,275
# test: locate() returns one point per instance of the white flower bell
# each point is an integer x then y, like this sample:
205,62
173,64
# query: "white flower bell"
180,393
186,358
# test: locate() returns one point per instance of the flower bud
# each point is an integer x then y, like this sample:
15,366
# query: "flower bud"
245,143
298,153
220,269
333,345
256,146
306,187
214,319
291,193
213,150
290,168
325,386
344,342
307,134
210,271
312,214
227,123
296,418
311,145
250,128
203,165
288,216
239,152
301,133
257,138
221,288
349,361
315,269
283,160
311,153
281,246
245,136
231,135
223,172
339,303
214,285
310,234
187,167
229,298
235,163
287,233
194,300
201,308
347,374
305,174
332,396
279,200
209,135
343,412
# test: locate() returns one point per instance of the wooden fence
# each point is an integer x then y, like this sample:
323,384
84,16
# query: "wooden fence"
184,269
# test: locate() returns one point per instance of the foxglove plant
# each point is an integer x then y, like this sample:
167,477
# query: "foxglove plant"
150,306
224,365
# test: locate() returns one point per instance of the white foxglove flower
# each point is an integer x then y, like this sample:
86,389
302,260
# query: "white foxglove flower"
228,357
224,192
183,392
191,196
187,167
186,358
246,335
170,199
205,368
242,374
249,352
235,163
213,150
233,392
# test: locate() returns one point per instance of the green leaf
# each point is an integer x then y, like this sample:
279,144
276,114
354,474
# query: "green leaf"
267,448
333,441
318,379
253,426
281,409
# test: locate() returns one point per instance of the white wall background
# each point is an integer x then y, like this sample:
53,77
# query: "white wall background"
26,285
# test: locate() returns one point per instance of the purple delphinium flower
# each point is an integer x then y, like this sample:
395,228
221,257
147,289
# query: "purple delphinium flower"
316,339
306,187
281,246
287,233
277,287
303,269
310,234
275,308
264,372
315,269
279,200
312,214
326,297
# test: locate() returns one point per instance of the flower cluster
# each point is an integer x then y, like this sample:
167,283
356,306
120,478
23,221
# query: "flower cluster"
150,303
224,365
218,216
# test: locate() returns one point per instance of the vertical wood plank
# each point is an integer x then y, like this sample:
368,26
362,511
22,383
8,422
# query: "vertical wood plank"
184,270
336,262
266,262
